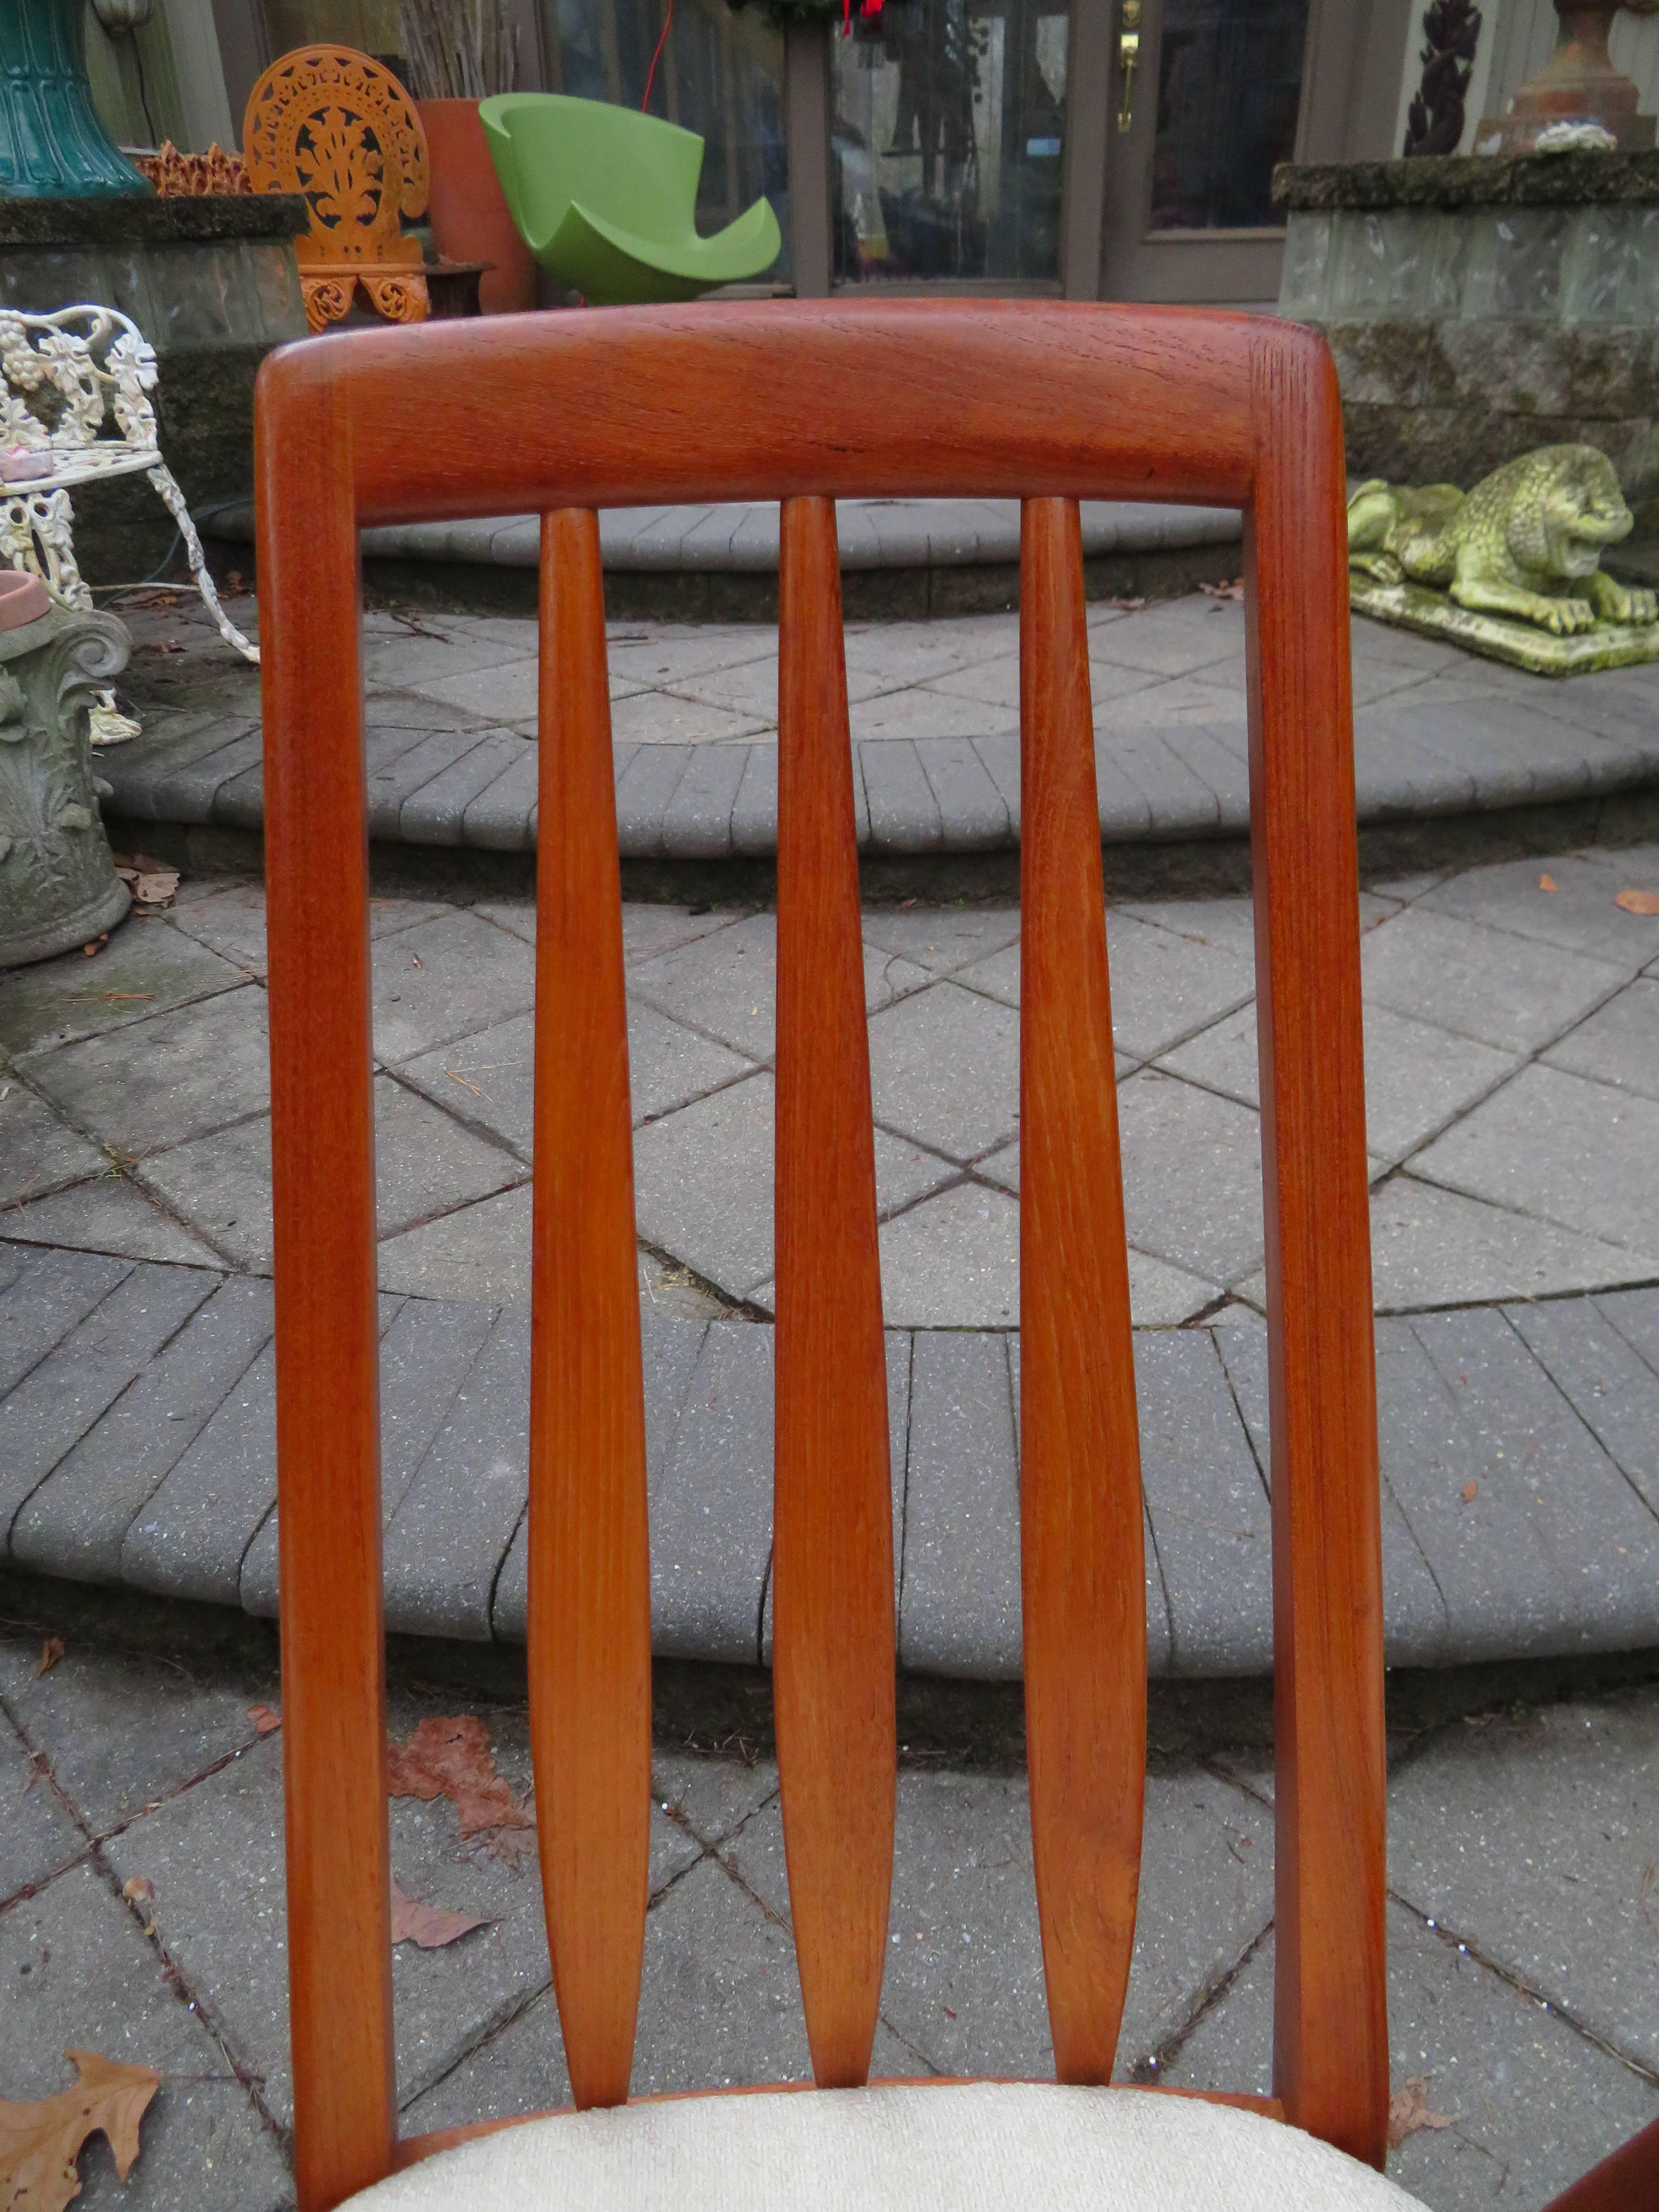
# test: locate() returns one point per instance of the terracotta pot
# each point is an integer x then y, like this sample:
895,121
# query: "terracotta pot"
467,209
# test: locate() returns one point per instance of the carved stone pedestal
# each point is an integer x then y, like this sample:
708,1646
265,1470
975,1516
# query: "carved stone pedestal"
59,887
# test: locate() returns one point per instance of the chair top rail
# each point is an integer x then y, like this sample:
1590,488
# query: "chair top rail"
636,406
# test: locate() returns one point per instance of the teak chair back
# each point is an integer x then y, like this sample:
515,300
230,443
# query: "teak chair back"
800,403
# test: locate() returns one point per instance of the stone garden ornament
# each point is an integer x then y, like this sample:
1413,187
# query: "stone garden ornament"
59,887
1511,569
65,379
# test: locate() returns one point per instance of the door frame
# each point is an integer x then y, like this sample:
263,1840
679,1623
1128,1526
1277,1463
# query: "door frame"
1352,57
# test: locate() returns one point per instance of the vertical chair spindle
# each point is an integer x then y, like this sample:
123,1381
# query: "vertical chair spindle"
328,1416
1083,1571
1330,2014
590,1571
833,1656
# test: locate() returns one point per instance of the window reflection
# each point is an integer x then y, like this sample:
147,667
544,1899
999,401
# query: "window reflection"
720,74
947,136
1229,91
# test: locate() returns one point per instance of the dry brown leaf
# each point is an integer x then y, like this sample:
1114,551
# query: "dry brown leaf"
151,882
1125,606
265,1718
452,1759
1548,884
1232,591
1408,2111
50,1652
138,1889
428,1925
39,2143
1639,901
1470,1491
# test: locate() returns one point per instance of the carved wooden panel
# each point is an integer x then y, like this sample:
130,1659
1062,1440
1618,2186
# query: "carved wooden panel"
334,124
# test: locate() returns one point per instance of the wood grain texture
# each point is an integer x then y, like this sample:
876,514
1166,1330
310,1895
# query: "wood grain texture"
732,399
590,1568
1330,2033
328,1429
833,1635
1043,400
1083,1571
1627,2180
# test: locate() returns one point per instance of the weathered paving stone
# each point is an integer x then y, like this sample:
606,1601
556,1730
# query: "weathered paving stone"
1208,1506
1532,2105
1416,1627
391,786
189,1540
76,1523
44,1295
435,814
109,1214
426,1356
973,813
963,1985
215,1855
38,1837
446,1541
905,816
755,809
444,979
1597,1543
960,1600
1553,1145
1635,1314
502,817
1482,983
711,1512
1611,1388
644,789
77,1972
145,969
38,1152
123,1729
159,1082
697,821
1529,1838
49,1412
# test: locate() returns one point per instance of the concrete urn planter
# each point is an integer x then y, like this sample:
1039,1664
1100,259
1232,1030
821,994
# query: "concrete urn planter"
59,887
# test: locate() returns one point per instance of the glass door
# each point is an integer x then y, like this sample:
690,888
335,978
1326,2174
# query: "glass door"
947,133
1206,98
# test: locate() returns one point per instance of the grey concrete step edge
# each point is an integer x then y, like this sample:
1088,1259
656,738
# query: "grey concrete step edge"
1520,1470
741,537
715,802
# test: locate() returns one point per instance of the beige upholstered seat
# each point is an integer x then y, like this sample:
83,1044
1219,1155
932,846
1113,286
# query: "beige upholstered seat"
979,2146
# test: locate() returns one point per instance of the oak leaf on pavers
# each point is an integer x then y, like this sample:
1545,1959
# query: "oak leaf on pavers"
452,1757
430,1926
1408,2111
50,1652
1635,902
41,2144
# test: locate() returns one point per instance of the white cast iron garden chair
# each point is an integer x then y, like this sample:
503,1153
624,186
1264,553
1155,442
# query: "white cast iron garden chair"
65,378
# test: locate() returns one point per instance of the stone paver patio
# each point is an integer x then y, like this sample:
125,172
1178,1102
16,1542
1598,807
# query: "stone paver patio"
934,717
1513,1094
1514,1117
141,1903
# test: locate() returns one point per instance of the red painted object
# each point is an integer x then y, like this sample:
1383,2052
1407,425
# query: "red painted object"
468,210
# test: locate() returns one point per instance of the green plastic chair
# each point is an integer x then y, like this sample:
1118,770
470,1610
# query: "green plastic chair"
606,199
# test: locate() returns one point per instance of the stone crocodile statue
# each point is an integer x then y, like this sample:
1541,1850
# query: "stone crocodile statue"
1527,541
